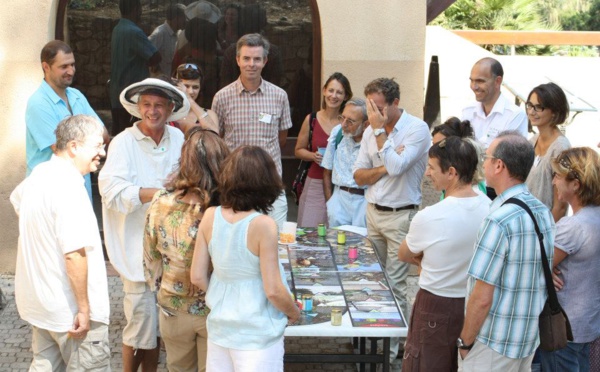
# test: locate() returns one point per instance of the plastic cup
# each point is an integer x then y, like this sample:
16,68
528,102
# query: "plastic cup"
288,233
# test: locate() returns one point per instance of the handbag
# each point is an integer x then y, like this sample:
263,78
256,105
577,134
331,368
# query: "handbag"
298,184
555,328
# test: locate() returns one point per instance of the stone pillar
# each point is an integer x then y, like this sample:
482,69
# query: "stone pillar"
26,28
369,39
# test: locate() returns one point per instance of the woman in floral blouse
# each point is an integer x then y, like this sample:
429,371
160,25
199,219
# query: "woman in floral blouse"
171,225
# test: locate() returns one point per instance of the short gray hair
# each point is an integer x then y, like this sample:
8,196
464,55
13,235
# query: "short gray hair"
361,104
253,40
76,128
516,153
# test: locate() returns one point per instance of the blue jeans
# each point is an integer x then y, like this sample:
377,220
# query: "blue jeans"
574,358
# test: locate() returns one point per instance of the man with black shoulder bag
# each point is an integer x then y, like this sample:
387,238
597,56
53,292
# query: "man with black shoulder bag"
507,288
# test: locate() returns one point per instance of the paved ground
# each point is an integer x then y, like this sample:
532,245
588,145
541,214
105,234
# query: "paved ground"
15,334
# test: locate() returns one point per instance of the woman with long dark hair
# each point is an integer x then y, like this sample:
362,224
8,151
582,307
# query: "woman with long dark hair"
171,226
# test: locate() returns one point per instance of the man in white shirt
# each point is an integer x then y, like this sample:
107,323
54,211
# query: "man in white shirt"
60,282
139,160
164,37
492,112
391,161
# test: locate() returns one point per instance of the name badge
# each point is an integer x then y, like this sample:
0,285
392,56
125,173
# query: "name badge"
265,118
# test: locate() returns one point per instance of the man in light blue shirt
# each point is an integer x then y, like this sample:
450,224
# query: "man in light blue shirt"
391,162
506,289
52,102
346,203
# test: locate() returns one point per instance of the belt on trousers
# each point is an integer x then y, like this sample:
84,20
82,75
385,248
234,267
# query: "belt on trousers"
353,190
383,208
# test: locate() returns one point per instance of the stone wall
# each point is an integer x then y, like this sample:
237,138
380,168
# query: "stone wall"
90,33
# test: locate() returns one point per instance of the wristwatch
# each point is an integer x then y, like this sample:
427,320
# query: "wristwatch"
379,131
461,344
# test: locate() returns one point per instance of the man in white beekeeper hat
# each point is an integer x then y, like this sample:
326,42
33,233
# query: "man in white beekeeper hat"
138,162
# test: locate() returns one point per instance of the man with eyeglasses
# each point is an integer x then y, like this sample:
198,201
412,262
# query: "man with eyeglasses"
506,288
393,178
346,203
53,101
492,112
138,163
60,282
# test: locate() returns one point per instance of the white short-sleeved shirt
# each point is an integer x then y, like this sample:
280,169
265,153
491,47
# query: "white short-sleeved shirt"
56,218
505,115
579,236
445,233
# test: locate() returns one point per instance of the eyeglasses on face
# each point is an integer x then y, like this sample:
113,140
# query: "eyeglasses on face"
342,119
486,156
98,148
536,108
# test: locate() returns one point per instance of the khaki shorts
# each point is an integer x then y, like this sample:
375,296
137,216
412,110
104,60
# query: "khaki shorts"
139,306
55,351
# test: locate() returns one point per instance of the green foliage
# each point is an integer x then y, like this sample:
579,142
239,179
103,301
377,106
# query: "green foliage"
492,15
517,15
525,15
582,20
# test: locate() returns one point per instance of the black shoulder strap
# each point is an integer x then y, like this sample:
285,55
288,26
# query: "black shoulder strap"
554,305
313,117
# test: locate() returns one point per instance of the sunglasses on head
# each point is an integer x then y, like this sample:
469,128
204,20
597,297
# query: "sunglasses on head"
189,71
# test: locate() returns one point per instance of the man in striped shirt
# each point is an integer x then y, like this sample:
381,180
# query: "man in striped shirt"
253,111
506,289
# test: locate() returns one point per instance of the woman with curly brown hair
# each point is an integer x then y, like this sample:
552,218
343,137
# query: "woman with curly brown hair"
170,235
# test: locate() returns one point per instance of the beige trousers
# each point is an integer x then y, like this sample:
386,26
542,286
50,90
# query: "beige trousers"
55,351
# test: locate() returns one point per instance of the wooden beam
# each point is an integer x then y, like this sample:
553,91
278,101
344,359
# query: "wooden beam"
482,37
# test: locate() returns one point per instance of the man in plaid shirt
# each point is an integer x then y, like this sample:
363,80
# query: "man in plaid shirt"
253,111
506,289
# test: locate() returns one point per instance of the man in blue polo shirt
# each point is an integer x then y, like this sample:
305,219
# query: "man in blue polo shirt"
131,57
52,102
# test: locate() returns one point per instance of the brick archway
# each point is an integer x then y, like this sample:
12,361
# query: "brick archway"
59,34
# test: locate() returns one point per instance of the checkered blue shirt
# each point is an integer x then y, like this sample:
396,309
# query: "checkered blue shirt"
507,255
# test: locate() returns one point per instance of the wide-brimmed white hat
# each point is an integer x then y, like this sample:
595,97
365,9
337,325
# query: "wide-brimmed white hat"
204,10
130,95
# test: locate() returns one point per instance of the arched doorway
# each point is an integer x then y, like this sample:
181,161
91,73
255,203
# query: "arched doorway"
292,25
